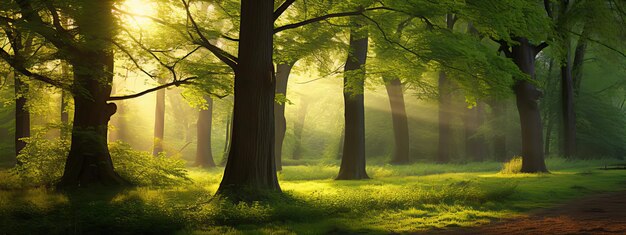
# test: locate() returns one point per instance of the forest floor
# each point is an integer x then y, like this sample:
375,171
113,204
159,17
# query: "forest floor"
417,198
598,214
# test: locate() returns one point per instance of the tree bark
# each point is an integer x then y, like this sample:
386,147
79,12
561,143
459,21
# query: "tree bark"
445,120
204,154
22,116
89,161
527,96
282,78
298,128
159,121
475,144
251,168
400,123
353,159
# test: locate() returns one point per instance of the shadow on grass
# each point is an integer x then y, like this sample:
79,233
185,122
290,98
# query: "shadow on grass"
87,211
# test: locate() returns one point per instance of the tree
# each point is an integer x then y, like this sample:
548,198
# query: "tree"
253,116
298,127
400,124
445,103
159,120
353,158
282,77
204,154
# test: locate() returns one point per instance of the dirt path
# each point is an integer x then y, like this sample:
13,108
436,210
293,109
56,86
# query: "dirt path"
599,214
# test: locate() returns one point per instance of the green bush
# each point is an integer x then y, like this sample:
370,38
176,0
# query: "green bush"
42,162
514,166
141,168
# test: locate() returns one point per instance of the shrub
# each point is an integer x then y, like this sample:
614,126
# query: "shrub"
42,162
514,166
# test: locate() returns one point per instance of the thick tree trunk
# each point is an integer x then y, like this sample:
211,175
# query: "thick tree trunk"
282,77
400,123
89,161
22,116
298,128
445,120
475,144
204,154
251,165
353,159
159,121
527,96
499,138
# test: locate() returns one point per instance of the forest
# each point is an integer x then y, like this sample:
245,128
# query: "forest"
312,117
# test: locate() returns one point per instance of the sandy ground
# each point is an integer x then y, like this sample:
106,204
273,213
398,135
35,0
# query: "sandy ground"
598,214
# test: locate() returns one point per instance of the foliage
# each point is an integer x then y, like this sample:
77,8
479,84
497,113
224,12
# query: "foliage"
513,166
43,159
141,168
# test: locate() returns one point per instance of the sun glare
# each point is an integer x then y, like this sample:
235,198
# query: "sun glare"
140,11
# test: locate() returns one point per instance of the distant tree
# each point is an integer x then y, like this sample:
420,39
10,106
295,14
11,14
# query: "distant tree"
204,154
159,120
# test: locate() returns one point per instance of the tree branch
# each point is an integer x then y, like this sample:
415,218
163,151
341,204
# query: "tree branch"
174,83
540,47
282,8
19,66
224,56
324,17
598,42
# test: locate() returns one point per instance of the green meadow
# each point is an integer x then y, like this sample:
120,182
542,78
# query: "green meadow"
398,199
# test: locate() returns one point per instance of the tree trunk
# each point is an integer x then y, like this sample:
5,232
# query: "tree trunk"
353,159
550,125
445,120
251,168
159,121
577,66
298,128
475,144
400,123
282,77
569,117
22,116
527,96
89,161
445,104
204,155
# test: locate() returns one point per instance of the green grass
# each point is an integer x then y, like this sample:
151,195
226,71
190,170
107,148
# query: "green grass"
399,199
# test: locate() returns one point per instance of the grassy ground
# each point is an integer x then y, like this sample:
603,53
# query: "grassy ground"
398,199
